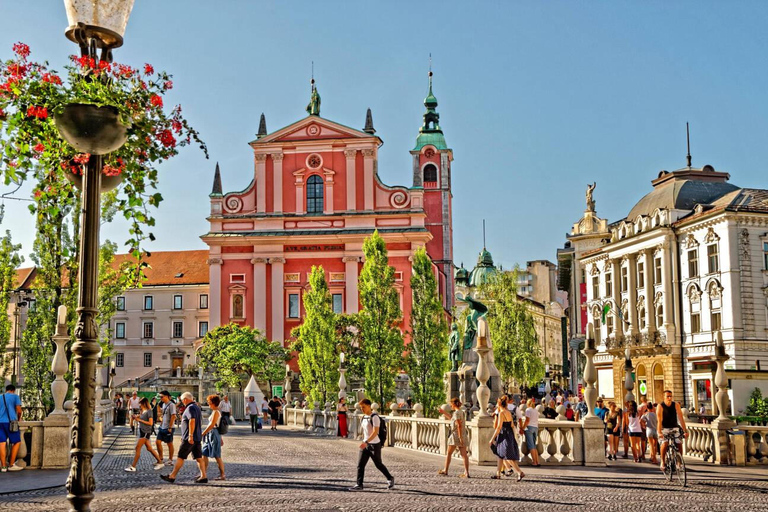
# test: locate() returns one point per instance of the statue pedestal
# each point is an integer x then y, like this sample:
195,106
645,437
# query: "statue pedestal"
720,429
482,430
452,386
594,441
56,441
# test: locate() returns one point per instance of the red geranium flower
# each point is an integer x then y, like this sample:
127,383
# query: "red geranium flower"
50,78
39,112
82,158
176,125
21,49
38,193
148,69
167,139
156,101
168,85
39,147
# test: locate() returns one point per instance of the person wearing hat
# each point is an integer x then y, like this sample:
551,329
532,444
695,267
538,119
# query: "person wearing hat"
165,432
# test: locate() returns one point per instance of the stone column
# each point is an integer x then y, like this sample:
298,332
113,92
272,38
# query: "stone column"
278,300
214,310
56,427
350,155
369,192
328,199
618,325
650,276
632,294
350,276
722,423
277,182
482,423
629,384
666,270
260,293
261,183
593,428
342,380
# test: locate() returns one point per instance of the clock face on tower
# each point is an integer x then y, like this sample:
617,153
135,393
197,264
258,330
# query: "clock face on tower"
429,153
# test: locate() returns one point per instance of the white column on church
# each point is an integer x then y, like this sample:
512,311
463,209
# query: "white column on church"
214,273
351,179
650,276
368,155
277,182
666,269
350,276
260,294
261,183
618,324
278,299
632,294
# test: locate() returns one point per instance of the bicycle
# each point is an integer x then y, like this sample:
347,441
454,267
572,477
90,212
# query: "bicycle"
674,463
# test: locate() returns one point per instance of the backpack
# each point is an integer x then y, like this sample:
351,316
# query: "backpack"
382,428
569,414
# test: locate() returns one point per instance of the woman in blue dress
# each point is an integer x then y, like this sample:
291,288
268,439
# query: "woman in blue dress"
212,442
503,441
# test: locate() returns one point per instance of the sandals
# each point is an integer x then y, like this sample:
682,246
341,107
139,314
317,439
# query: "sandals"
520,476
463,475
222,477
496,477
442,472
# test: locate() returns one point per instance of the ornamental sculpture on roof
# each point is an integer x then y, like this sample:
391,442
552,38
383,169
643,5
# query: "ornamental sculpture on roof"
590,201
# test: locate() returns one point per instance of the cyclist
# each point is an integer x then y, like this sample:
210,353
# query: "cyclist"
670,422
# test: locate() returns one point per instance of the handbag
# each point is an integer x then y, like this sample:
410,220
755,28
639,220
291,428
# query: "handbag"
14,425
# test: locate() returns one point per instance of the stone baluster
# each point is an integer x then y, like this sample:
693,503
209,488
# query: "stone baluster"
59,364
56,436
565,444
593,427
629,384
722,423
342,380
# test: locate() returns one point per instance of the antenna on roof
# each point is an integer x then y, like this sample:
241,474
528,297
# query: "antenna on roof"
688,138
483,234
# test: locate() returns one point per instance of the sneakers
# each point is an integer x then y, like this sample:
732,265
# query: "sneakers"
3,469
356,488
169,462
158,466
391,484
15,468
130,469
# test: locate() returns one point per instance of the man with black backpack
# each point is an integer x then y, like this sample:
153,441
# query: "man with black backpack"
374,435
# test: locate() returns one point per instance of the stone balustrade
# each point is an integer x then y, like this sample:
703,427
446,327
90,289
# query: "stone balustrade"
756,444
700,443
559,442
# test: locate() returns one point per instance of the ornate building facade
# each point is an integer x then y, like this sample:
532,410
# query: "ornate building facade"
688,260
314,196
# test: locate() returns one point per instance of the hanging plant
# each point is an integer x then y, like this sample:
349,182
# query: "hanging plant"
31,149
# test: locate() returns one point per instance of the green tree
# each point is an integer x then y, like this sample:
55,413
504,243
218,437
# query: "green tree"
379,321
428,351
272,368
516,349
316,338
758,406
9,262
233,351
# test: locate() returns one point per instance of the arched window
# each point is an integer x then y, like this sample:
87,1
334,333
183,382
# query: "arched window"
430,174
315,194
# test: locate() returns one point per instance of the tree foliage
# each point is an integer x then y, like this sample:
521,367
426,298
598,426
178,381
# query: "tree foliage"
758,406
379,321
233,352
9,262
317,341
427,357
516,350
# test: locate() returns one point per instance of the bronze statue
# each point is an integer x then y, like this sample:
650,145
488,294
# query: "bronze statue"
454,350
477,309
590,201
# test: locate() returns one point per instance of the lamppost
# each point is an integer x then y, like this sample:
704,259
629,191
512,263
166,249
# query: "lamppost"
96,26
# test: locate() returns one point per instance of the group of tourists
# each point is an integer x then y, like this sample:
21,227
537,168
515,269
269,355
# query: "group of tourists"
271,411
639,427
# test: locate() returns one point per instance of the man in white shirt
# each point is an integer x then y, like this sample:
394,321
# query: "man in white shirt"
225,408
252,411
167,426
370,447
134,407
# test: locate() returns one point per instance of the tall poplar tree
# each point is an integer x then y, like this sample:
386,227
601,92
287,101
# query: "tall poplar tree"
379,321
428,350
316,341
9,262
516,350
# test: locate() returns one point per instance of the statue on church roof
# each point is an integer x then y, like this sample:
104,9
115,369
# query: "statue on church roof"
590,201
313,108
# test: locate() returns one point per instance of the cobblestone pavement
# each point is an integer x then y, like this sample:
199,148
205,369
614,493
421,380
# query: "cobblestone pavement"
292,471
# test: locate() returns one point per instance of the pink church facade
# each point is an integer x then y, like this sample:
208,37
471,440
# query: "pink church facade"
314,198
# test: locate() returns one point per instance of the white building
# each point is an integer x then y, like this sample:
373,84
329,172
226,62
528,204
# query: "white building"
690,259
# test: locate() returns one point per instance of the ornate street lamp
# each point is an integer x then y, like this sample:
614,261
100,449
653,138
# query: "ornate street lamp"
97,26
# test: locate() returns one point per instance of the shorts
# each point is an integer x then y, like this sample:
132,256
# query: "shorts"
675,433
6,434
635,434
651,434
530,437
147,435
165,435
186,448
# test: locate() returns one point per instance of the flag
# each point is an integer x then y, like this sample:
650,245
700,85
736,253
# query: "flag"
606,309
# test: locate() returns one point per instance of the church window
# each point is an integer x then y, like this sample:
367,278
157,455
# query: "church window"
315,194
693,263
713,258
430,174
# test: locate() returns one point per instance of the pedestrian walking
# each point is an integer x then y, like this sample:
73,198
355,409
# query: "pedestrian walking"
458,438
370,448
10,416
133,409
265,408
613,427
530,426
503,441
191,439
651,424
252,411
634,428
226,410
212,442
341,415
167,426
274,411
146,423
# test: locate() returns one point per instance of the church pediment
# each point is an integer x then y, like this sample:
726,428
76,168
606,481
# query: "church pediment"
312,128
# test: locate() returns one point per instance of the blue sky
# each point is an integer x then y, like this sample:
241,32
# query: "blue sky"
537,99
